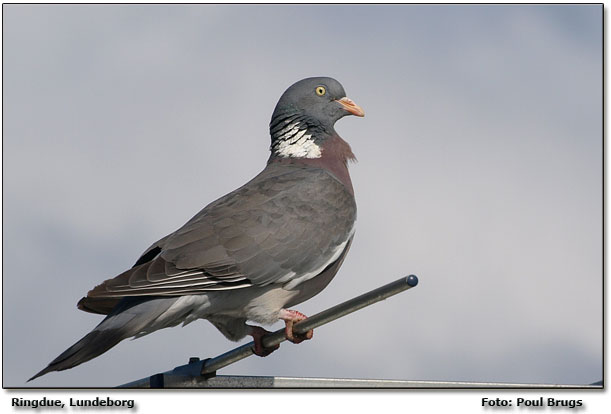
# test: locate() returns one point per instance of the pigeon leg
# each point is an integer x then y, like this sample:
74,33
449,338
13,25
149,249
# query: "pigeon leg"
289,317
257,333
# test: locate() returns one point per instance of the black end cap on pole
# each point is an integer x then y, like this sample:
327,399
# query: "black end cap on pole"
412,280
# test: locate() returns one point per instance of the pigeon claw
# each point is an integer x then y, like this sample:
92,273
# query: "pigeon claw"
289,317
257,334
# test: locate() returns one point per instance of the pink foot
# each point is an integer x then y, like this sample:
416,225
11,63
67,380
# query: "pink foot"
290,317
257,333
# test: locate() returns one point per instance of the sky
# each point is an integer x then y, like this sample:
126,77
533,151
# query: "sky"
479,170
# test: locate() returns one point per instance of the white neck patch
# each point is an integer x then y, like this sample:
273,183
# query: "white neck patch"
295,143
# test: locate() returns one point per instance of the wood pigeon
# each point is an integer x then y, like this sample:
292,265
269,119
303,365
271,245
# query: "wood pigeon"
252,254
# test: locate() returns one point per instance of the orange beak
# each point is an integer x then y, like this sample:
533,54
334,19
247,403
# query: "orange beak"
351,107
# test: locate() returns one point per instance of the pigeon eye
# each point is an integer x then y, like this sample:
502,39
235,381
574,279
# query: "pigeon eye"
320,90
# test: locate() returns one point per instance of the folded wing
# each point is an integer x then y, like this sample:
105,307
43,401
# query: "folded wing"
284,226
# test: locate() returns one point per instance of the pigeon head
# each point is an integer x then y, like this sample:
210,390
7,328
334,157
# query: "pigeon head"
306,114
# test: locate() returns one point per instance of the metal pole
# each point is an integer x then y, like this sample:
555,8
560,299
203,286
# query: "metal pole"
238,381
211,365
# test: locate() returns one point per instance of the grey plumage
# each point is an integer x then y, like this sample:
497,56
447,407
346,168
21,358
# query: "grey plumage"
273,243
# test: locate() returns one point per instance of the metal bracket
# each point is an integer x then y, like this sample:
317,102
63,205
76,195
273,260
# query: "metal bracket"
206,375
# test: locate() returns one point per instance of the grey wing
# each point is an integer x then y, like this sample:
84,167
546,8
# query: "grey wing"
285,226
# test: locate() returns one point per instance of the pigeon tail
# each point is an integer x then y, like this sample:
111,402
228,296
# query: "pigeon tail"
90,346
130,317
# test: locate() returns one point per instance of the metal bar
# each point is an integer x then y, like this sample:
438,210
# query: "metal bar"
183,380
321,318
